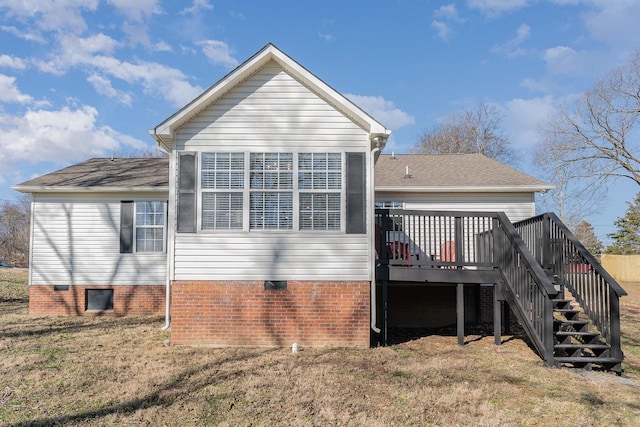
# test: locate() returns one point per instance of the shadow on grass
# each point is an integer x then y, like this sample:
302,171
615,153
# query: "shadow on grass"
104,323
473,333
188,382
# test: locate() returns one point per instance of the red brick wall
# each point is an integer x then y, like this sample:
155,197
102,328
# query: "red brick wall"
244,313
127,300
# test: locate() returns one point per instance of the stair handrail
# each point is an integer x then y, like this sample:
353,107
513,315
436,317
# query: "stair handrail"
605,315
534,311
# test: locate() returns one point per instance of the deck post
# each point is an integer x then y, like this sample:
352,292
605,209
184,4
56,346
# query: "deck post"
497,323
385,313
460,312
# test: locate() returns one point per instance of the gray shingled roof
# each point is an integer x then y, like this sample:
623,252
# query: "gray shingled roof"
98,174
449,170
427,172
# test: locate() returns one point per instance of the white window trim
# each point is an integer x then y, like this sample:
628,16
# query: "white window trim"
136,226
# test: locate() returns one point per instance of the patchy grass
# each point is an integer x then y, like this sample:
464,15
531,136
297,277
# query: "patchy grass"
116,371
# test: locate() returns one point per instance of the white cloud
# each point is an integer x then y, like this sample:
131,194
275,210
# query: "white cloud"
511,47
74,51
94,54
9,91
16,63
496,7
524,119
614,22
564,60
58,136
196,7
137,10
61,15
33,36
218,53
443,29
448,12
103,86
444,18
382,110
327,37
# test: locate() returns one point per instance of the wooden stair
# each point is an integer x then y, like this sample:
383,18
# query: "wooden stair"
576,344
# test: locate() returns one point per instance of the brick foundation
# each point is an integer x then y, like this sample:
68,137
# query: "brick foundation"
127,300
244,313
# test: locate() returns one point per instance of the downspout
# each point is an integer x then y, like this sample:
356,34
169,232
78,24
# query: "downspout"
372,236
167,310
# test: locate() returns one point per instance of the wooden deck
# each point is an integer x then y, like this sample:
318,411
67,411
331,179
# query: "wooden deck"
533,264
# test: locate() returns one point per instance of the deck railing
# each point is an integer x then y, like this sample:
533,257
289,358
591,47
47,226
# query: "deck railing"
557,250
472,240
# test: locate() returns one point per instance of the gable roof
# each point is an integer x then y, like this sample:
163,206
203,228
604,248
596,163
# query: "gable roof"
451,173
104,175
164,132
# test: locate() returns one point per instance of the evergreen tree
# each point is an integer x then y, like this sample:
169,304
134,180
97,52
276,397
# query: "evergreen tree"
584,232
626,241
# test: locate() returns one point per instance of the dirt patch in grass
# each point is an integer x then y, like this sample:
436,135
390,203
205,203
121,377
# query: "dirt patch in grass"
116,371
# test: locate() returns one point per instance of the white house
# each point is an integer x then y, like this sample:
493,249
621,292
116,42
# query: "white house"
258,229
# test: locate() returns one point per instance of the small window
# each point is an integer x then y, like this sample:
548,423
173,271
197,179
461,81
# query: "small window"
99,299
149,225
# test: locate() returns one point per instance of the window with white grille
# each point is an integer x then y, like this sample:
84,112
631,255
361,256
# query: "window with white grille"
149,226
222,185
284,191
320,185
271,191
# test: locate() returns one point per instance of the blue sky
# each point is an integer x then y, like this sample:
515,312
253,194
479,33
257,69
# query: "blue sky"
86,78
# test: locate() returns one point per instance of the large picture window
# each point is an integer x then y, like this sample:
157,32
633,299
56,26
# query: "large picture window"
271,191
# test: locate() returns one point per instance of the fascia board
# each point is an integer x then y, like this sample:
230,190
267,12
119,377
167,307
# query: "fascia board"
60,189
164,131
474,189
334,97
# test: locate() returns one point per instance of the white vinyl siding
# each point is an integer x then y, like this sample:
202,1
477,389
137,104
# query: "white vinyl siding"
271,112
517,206
272,256
76,240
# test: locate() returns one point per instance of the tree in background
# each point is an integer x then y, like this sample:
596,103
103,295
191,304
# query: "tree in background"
572,199
15,218
597,141
626,240
469,131
584,232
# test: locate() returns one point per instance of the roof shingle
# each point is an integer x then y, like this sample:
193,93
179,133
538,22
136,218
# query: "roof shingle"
448,170
112,173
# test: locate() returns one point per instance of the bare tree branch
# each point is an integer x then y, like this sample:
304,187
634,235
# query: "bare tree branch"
477,131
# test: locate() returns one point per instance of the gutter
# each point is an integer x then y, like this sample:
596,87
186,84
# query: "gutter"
69,189
469,189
